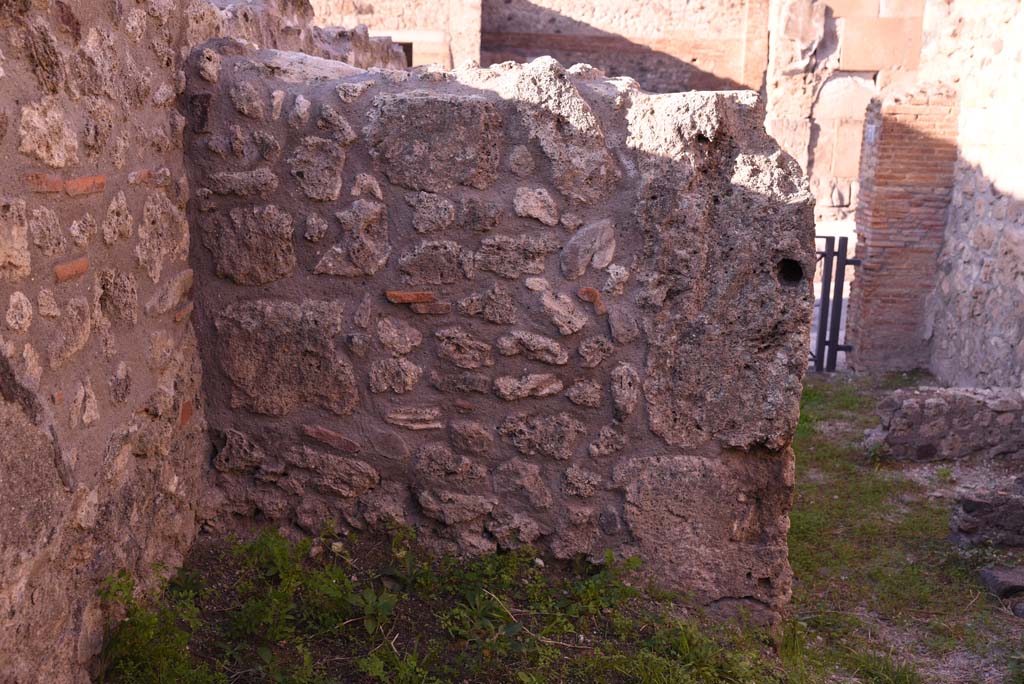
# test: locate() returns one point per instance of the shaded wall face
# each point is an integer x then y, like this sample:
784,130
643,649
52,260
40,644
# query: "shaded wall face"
666,47
518,305
976,327
101,426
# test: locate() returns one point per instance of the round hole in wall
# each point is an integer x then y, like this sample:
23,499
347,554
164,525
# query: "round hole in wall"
790,272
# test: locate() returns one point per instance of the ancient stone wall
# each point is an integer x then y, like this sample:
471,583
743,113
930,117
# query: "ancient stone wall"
939,423
968,428
504,306
949,300
976,326
103,439
828,59
101,424
289,25
666,47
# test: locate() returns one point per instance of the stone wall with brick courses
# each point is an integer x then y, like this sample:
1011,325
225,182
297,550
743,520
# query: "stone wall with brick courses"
976,313
509,305
666,47
907,163
101,423
103,436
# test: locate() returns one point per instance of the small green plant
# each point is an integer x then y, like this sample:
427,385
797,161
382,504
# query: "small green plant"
325,598
944,474
375,608
406,568
605,589
150,645
479,618
389,668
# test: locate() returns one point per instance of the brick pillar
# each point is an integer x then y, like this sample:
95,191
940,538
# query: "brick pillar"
906,179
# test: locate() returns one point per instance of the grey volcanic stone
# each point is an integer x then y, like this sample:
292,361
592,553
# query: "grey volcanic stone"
1003,581
553,436
454,141
365,244
593,244
252,246
317,164
280,355
991,516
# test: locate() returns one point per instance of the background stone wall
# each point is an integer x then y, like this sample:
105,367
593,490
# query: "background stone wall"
503,306
960,171
828,59
976,329
907,163
666,47
445,32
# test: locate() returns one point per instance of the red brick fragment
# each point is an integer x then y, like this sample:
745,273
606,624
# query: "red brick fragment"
187,409
87,185
183,313
590,294
432,308
44,182
331,438
401,297
71,269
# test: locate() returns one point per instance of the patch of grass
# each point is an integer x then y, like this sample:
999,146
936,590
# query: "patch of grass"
868,548
271,610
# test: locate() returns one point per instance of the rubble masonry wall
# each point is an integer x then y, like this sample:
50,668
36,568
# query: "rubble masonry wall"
503,306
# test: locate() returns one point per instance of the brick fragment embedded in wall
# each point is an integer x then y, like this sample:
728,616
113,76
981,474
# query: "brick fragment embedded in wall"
906,179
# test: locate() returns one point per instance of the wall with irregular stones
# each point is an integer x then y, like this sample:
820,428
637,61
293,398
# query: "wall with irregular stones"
937,423
101,425
103,439
512,305
976,313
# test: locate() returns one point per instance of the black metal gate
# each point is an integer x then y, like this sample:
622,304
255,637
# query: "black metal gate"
830,312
